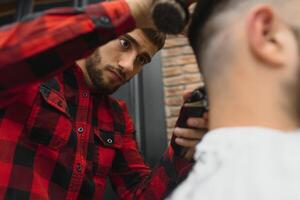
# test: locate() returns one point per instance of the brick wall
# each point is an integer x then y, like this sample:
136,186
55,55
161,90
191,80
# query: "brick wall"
180,73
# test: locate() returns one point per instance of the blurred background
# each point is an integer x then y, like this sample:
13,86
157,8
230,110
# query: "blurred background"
154,97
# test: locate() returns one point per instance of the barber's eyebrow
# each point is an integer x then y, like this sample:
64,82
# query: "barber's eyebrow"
132,40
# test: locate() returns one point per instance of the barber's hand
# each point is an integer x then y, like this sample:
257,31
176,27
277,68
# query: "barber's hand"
141,11
188,138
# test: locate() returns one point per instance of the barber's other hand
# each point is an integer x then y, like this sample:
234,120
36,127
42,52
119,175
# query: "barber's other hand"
188,138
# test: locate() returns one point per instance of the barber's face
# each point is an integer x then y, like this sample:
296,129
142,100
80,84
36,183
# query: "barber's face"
115,63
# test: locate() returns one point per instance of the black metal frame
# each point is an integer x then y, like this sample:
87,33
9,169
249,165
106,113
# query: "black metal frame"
153,111
24,7
79,3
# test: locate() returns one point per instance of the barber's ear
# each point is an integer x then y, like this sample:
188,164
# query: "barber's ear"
263,37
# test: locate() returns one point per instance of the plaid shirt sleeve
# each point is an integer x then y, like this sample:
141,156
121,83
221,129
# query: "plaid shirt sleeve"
39,47
133,179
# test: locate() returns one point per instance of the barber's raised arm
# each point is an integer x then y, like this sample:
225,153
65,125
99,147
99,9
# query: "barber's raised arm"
42,45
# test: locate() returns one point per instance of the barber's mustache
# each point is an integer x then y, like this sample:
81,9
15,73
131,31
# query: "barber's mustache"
118,71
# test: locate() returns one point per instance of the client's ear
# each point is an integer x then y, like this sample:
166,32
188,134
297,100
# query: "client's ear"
263,36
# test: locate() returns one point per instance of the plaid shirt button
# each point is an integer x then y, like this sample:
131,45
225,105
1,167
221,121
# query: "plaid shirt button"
85,94
109,141
105,20
80,130
78,167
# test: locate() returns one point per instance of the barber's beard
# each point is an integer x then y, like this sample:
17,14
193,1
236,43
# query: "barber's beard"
96,75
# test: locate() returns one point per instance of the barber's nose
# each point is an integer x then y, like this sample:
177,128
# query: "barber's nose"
126,63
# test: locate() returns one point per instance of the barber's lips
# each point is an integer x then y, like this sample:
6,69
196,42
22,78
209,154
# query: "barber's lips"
116,76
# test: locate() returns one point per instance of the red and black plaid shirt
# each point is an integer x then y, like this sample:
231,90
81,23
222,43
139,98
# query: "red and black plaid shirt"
57,139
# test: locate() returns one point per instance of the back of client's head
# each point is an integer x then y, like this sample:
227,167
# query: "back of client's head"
251,45
215,23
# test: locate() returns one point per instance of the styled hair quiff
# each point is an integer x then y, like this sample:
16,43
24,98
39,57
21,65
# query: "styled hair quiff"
154,36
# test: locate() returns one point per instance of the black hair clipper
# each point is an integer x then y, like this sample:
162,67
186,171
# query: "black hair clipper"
195,106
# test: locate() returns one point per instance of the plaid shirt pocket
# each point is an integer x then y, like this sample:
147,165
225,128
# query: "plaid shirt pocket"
108,138
48,124
107,143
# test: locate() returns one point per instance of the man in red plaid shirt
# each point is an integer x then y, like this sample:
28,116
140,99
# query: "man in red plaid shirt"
61,134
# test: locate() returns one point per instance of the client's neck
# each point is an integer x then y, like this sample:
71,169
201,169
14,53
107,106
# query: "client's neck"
248,108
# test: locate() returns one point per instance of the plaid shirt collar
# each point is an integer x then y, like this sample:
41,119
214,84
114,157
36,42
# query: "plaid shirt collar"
62,96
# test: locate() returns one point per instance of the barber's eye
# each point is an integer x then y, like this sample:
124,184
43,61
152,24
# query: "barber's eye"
141,60
124,43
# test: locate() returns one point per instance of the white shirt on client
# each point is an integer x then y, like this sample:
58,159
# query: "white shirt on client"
248,163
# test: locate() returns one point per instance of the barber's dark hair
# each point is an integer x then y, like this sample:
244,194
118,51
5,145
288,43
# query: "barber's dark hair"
156,37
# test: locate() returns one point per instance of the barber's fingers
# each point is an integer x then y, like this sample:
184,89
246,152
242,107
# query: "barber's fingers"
190,2
200,123
189,154
187,94
190,134
192,6
186,142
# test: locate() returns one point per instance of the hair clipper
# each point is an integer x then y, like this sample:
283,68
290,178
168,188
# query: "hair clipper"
195,106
